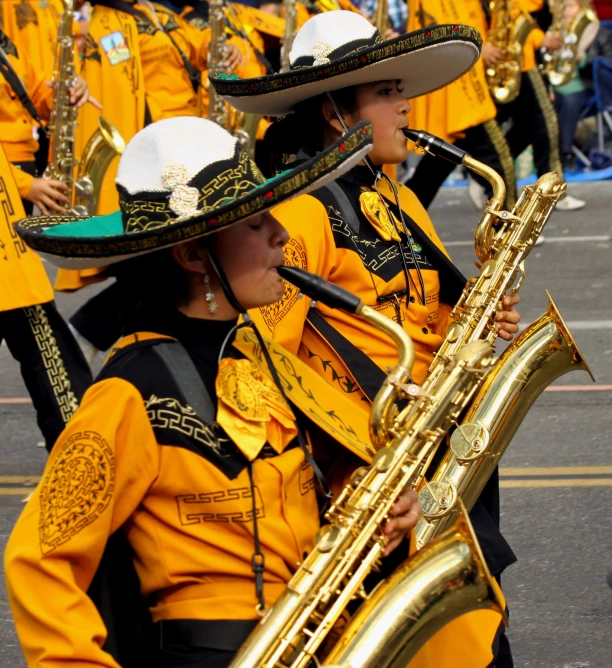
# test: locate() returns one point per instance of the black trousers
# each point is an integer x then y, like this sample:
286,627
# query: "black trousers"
52,364
484,142
534,122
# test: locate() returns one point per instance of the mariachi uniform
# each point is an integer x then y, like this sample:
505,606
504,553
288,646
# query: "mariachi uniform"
17,115
534,120
52,365
343,232
462,113
197,462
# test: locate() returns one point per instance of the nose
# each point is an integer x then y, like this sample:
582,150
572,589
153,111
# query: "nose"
279,236
403,107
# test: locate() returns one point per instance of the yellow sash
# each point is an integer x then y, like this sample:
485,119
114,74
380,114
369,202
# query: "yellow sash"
23,280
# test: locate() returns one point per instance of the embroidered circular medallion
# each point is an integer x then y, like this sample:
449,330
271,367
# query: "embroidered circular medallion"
76,490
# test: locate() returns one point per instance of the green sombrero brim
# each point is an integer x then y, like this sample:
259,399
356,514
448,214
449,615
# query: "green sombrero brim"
92,241
424,60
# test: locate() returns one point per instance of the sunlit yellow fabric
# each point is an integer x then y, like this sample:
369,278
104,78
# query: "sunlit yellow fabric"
189,567
261,21
23,280
376,213
251,408
465,103
33,26
16,124
312,247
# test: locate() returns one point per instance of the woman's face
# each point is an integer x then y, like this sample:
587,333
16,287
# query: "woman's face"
249,253
382,104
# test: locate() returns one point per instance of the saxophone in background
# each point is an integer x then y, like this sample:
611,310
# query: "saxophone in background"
510,27
544,351
433,587
290,16
576,34
101,148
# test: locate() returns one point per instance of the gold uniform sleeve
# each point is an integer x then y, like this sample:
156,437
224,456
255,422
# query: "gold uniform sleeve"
23,181
98,472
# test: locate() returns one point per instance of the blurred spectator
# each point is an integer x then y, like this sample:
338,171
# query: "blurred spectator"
603,9
571,98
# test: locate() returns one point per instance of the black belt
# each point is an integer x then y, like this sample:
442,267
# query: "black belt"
219,634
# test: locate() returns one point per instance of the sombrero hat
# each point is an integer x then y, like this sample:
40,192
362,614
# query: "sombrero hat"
337,49
180,179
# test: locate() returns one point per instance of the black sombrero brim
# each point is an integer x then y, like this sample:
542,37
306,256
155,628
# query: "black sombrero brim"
86,242
424,60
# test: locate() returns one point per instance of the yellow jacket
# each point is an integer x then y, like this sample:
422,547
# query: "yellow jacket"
137,457
23,280
16,124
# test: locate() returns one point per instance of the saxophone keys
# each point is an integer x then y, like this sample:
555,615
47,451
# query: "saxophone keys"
469,441
437,498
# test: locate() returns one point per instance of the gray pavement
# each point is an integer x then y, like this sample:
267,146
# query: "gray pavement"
561,607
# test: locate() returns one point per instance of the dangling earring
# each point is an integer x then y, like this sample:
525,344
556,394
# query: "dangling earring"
211,302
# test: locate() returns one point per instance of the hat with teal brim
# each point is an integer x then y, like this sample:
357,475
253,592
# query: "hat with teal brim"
338,49
180,179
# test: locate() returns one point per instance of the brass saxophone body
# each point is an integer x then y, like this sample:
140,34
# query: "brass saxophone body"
543,352
559,66
101,148
509,29
218,109
290,16
350,546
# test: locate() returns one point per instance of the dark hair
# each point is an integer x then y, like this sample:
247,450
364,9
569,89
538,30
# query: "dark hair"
304,129
154,277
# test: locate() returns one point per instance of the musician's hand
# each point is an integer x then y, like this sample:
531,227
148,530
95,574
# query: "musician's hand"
79,94
234,57
491,55
551,42
508,318
48,195
407,511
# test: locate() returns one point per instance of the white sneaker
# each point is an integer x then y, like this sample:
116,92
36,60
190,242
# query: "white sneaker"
476,193
540,240
569,203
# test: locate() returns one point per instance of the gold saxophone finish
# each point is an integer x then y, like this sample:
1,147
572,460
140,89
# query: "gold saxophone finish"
508,34
101,148
544,351
351,545
99,152
559,66
290,16
381,16
218,109
441,582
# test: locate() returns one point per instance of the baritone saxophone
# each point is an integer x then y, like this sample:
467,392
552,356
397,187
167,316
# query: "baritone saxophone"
510,27
102,147
544,351
447,580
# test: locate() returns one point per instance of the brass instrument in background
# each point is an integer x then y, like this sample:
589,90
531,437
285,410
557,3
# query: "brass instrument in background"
102,147
242,126
559,66
447,580
381,16
543,352
509,28
290,16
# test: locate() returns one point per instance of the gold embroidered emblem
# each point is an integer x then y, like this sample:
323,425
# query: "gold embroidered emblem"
76,490
251,408
184,198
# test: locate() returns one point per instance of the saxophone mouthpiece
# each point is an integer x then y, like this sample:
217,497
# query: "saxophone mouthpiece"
434,145
318,288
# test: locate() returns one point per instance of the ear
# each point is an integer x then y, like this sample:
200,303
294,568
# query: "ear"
331,119
191,257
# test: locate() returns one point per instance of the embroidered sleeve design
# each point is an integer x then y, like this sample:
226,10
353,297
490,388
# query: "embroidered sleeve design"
76,490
